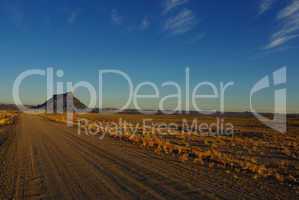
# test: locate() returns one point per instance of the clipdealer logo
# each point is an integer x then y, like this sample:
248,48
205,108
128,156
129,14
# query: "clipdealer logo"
191,96
279,78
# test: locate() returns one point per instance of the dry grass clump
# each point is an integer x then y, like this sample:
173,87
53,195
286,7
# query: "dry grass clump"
7,118
235,154
254,150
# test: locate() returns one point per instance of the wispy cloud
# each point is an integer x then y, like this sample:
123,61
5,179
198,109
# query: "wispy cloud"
196,38
116,17
265,5
73,17
279,41
181,23
288,18
145,23
171,4
289,10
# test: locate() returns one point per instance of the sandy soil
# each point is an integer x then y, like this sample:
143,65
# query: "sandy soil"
46,160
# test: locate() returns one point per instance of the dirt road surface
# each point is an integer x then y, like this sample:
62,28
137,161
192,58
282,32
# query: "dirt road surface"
47,160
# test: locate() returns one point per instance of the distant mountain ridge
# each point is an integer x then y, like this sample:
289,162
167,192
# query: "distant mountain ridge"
9,107
59,103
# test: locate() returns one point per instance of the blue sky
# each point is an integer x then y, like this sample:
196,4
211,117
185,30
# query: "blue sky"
151,40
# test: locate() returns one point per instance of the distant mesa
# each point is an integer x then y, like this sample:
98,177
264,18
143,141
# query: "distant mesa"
62,103
8,107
